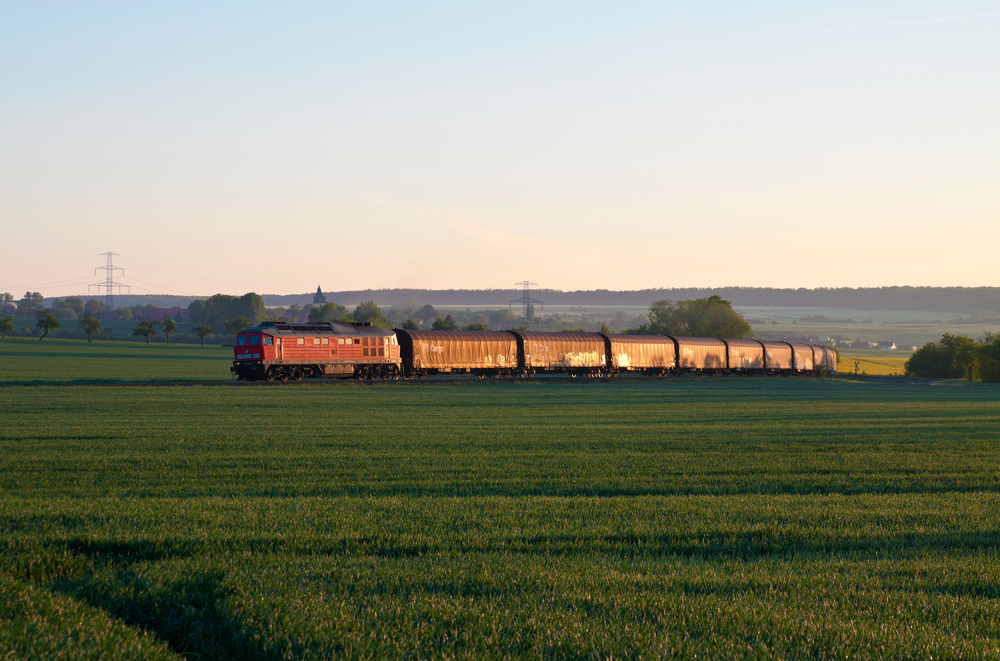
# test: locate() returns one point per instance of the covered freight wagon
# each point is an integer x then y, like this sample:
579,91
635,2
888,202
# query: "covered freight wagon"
819,356
700,353
576,353
777,356
803,357
480,352
634,353
831,359
745,355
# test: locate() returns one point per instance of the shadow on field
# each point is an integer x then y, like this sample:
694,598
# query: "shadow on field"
186,610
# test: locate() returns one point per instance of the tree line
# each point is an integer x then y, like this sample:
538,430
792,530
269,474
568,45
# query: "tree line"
710,317
958,357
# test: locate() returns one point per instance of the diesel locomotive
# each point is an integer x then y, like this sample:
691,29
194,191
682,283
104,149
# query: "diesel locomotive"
282,352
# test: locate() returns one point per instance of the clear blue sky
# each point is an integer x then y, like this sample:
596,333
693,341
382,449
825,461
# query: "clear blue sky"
271,147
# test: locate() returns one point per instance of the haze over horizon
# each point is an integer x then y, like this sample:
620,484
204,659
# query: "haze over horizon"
243,147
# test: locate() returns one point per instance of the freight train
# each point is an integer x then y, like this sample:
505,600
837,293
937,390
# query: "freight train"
281,352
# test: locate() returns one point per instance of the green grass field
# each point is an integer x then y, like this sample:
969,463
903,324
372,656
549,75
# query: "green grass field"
686,518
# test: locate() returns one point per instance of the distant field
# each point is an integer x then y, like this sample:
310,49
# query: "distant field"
59,361
874,363
690,518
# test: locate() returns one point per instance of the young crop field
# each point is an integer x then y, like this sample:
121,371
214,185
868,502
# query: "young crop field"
687,518
58,361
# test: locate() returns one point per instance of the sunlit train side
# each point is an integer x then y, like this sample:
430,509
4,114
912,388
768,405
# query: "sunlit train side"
282,352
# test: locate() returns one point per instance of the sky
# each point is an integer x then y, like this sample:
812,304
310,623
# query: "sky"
271,147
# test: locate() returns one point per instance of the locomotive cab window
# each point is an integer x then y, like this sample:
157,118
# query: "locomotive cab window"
268,339
241,340
255,339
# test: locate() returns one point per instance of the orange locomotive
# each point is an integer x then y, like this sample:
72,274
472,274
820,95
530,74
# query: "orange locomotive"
282,352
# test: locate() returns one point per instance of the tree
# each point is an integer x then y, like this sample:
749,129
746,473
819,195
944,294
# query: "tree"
6,326
234,326
46,323
30,302
444,324
989,358
67,308
95,307
123,314
425,314
476,327
937,360
203,331
90,325
701,317
146,329
409,324
169,327
218,309
328,312
6,297
367,311
294,310
502,316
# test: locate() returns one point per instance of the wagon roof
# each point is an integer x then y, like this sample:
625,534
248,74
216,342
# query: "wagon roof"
540,335
455,335
278,328
709,341
743,343
640,339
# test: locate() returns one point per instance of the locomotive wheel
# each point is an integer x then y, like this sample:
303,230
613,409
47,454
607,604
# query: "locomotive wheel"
269,376
282,375
298,375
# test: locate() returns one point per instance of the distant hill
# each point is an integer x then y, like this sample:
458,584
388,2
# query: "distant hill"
964,300
927,299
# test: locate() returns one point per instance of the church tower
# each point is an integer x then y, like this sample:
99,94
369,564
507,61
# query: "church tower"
318,297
